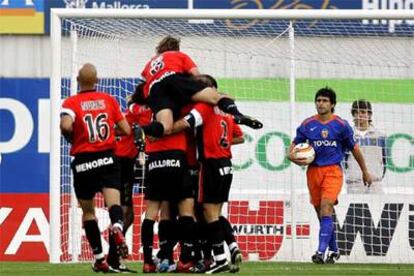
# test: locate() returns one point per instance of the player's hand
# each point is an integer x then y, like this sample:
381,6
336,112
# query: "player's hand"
297,161
367,178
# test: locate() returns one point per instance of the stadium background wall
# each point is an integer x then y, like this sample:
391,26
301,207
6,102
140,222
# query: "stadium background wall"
24,147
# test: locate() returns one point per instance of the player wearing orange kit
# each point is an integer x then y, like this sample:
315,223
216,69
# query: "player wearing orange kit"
331,137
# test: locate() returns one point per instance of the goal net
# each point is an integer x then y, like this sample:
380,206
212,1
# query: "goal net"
272,62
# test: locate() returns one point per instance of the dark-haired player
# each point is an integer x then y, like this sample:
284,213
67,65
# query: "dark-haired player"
330,136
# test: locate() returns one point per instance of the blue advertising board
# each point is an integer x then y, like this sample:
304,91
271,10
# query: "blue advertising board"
24,123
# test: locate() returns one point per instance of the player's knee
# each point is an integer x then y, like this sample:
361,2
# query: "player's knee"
151,213
88,215
326,208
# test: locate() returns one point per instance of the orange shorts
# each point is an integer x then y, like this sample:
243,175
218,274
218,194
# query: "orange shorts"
324,183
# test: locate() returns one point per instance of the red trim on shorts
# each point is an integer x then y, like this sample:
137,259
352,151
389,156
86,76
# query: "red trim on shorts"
200,196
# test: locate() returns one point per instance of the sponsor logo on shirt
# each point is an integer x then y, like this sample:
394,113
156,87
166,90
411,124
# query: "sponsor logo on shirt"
325,143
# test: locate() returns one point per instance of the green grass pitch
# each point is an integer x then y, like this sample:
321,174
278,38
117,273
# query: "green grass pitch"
248,268
377,91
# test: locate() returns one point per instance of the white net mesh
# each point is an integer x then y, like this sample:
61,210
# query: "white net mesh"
253,62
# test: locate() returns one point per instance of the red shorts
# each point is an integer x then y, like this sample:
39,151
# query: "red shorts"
324,183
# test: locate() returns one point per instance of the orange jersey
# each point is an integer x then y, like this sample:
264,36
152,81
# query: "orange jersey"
94,116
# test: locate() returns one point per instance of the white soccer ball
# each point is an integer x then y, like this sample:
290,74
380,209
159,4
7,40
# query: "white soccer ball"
304,151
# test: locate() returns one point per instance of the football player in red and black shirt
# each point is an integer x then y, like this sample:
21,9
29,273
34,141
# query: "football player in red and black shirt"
216,132
167,183
87,121
169,86
127,152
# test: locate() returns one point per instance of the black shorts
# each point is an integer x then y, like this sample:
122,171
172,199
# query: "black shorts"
127,180
215,180
93,171
194,179
173,92
168,177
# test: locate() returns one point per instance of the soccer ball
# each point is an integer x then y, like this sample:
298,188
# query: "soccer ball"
304,150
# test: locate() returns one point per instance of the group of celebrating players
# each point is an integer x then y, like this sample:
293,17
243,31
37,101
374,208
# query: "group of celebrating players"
186,129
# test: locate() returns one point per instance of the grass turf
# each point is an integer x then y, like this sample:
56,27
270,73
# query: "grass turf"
387,91
248,268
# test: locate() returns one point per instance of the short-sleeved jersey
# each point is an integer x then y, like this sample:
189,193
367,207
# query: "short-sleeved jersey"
214,131
164,65
176,141
135,114
94,115
372,143
330,139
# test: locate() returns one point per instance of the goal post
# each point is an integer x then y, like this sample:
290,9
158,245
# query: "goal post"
272,62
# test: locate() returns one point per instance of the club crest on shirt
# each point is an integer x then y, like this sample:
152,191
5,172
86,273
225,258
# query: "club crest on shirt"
324,133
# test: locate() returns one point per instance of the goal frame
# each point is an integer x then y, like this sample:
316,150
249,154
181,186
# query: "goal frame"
55,83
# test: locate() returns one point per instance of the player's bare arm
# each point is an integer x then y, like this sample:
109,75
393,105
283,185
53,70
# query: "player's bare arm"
292,156
366,177
237,140
194,71
122,128
180,125
66,127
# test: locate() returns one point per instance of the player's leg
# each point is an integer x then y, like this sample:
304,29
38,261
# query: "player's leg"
333,249
215,190
157,192
330,189
205,257
326,224
188,238
188,89
216,237
116,215
226,104
85,186
314,179
93,234
235,253
127,180
147,234
167,237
